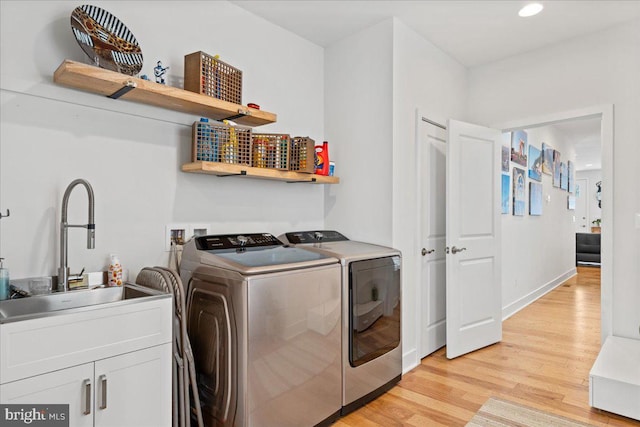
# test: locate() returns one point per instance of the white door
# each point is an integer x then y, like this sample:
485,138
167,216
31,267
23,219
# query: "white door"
432,150
72,386
134,389
581,212
474,314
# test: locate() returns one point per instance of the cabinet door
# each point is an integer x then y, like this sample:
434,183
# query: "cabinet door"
73,386
134,389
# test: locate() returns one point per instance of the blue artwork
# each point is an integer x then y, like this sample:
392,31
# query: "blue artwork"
506,190
505,158
571,176
535,198
519,191
535,163
564,177
556,169
547,155
519,147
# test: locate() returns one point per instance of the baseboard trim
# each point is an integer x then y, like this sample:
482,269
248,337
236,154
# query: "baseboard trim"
409,361
521,303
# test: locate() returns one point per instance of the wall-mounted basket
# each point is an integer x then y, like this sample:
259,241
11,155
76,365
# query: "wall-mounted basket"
270,150
207,75
218,142
302,155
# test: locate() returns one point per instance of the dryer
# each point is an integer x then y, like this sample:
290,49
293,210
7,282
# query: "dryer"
371,333
264,324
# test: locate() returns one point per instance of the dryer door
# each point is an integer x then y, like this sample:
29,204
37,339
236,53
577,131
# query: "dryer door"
374,308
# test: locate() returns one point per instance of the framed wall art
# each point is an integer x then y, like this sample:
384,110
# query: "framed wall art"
519,201
519,147
564,177
506,190
547,156
535,198
556,169
535,163
505,158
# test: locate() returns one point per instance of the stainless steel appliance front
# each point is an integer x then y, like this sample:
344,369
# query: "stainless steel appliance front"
267,346
371,313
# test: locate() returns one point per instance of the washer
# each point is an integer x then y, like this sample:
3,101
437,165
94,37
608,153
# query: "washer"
264,324
371,334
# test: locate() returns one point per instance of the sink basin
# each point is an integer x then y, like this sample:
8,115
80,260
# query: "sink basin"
81,299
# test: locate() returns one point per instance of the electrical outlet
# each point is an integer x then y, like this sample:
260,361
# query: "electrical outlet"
176,234
197,230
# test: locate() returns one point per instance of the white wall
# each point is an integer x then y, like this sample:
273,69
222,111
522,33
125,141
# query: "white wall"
538,252
132,153
592,176
427,79
601,68
358,126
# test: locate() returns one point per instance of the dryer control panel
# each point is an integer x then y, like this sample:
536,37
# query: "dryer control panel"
299,237
236,241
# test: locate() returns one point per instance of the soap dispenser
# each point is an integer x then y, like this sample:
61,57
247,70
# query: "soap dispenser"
4,281
114,271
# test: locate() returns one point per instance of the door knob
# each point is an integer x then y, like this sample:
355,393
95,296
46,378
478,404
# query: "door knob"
426,252
455,250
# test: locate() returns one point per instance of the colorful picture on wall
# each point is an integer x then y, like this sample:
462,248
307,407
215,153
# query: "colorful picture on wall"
519,147
519,201
535,198
556,168
535,163
571,202
564,177
506,190
547,156
505,158
572,176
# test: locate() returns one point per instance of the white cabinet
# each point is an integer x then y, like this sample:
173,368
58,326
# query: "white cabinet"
66,386
111,365
125,390
134,389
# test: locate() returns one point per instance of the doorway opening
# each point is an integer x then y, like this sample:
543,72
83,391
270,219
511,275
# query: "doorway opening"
432,315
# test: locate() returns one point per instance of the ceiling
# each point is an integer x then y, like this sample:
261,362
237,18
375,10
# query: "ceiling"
584,136
475,33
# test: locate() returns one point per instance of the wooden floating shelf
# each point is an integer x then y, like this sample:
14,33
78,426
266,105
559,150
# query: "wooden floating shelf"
226,169
116,85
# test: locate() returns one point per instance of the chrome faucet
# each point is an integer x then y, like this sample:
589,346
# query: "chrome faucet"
63,271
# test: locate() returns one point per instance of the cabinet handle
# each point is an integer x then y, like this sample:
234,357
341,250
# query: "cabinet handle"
87,396
103,397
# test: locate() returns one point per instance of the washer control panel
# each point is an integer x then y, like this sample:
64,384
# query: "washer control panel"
236,241
319,236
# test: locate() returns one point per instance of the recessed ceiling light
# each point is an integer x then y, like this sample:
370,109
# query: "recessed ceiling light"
589,165
530,10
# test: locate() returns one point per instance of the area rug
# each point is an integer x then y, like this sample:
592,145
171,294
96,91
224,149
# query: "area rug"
502,413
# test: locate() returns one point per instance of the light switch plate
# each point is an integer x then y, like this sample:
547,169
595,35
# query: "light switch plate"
638,220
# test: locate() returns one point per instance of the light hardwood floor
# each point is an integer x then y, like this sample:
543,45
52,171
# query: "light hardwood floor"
543,361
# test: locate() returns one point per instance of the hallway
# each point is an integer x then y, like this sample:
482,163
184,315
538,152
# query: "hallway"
543,362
